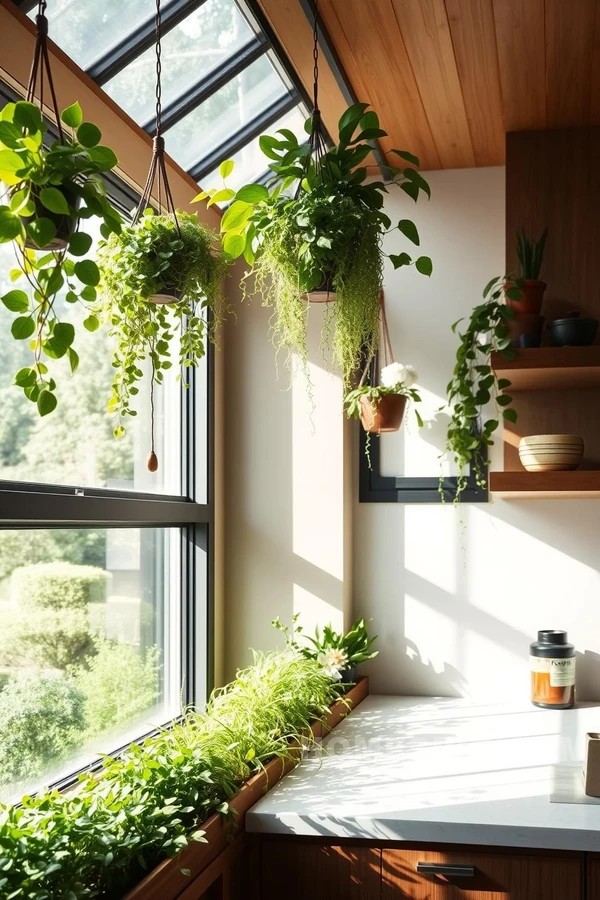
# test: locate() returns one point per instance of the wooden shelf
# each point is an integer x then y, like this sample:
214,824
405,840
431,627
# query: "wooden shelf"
546,485
550,368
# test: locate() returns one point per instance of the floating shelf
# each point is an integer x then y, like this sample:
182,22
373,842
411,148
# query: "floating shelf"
546,485
550,368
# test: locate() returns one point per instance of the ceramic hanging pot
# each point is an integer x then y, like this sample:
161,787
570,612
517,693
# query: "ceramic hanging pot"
65,225
324,293
166,295
384,416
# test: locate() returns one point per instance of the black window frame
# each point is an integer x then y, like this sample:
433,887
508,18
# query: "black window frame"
26,505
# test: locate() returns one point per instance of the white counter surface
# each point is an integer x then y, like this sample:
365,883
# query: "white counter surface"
437,770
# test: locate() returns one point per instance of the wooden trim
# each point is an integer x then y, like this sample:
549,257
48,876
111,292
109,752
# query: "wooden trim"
131,143
578,485
167,881
550,368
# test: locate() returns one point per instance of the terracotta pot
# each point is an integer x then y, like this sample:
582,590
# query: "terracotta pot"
324,293
532,294
525,330
384,416
166,295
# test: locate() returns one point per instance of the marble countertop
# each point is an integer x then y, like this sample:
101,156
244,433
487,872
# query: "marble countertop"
441,770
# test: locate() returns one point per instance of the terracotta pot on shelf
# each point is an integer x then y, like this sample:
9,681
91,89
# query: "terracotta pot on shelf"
384,416
525,330
532,295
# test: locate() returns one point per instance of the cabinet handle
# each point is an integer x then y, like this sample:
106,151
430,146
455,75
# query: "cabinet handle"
450,870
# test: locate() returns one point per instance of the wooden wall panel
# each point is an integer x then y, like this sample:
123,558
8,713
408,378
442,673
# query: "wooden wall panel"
379,55
426,34
569,46
497,877
474,39
298,870
552,180
522,59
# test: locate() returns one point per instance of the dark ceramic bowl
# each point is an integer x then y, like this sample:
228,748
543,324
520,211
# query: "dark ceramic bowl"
573,332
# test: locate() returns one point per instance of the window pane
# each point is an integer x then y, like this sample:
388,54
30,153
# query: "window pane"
74,445
250,161
190,51
89,646
87,29
239,102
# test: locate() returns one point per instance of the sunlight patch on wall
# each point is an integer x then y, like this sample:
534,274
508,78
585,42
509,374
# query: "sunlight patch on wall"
315,611
431,545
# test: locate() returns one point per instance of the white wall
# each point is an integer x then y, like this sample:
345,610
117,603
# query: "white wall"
453,621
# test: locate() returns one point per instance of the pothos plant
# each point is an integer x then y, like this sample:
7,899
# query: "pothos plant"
395,379
321,221
474,384
51,189
155,254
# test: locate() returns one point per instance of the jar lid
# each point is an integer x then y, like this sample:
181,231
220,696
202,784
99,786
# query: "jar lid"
552,637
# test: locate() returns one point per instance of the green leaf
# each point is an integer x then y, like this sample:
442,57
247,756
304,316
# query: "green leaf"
411,189
25,377
87,271
64,334
79,243
268,145
91,323
236,216
10,136
19,200
22,328
27,115
510,415
54,200
409,157
89,293
88,134
418,180
72,115
226,168
16,301
489,286
503,400
41,231
400,259
10,164
46,403
252,193
222,196
73,359
103,158
10,225
424,265
503,383
234,245
350,119
409,230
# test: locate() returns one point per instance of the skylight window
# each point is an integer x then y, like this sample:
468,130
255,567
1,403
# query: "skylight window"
224,83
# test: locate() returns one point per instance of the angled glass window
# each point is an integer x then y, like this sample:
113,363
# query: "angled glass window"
190,51
87,29
250,162
215,121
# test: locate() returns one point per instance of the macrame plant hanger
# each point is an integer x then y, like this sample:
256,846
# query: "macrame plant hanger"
157,185
386,346
40,67
316,141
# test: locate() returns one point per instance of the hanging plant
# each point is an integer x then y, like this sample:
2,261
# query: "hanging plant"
474,383
158,255
319,226
51,188
381,407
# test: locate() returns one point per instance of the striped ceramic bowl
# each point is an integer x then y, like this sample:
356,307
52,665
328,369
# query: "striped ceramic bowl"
551,452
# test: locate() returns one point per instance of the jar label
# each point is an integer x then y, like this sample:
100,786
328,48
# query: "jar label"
561,671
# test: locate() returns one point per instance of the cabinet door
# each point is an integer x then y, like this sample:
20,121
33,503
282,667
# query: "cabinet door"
297,871
593,876
480,876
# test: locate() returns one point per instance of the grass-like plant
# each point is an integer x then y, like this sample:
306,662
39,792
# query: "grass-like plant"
336,651
321,221
474,384
144,259
103,837
530,254
51,190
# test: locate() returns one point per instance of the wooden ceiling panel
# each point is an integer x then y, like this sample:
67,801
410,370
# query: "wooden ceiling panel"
425,29
569,50
522,57
474,38
377,49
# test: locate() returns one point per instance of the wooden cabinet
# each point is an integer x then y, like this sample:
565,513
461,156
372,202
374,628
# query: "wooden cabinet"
464,875
593,876
307,871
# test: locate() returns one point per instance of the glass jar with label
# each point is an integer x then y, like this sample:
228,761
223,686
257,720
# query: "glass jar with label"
552,661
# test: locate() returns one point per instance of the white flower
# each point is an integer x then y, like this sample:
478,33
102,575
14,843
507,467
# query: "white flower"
333,662
397,375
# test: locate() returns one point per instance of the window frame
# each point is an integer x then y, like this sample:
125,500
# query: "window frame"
38,505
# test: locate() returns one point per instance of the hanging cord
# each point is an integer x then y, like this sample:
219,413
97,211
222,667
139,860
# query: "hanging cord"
316,139
157,173
388,353
40,56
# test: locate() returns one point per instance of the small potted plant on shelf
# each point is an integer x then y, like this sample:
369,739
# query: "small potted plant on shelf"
339,654
474,385
160,277
318,227
52,188
530,254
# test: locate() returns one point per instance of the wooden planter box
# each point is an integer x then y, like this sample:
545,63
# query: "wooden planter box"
225,837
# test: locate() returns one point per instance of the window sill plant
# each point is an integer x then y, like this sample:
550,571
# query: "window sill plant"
158,255
474,384
50,192
321,222
340,654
